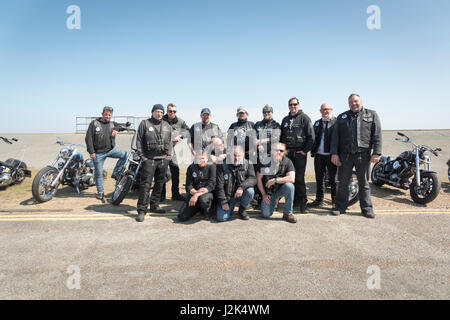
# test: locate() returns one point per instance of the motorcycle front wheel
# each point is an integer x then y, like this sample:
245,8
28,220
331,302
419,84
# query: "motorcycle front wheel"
123,186
428,190
41,187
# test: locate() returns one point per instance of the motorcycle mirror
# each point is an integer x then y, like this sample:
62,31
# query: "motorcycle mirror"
14,139
400,134
438,149
128,124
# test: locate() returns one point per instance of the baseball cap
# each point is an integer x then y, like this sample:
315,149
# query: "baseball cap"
241,109
205,110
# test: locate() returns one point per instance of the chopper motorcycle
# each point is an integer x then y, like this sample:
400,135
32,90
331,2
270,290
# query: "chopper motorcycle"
72,170
12,171
410,170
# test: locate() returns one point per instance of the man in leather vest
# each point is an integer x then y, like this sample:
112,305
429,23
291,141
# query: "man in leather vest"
179,131
356,142
241,133
298,135
277,184
323,129
205,134
100,142
235,182
267,131
200,185
154,146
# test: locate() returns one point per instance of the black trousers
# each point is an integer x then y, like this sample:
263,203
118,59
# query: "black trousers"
321,163
151,169
204,203
175,179
299,162
361,162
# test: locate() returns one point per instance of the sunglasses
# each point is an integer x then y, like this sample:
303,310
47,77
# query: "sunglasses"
264,112
293,104
172,111
327,109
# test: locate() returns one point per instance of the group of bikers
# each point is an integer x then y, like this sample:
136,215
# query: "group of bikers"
256,164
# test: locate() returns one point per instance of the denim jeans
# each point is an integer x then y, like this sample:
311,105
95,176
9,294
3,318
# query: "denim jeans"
287,190
245,200
100,160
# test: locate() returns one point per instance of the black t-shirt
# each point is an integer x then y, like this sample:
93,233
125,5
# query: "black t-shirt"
284,167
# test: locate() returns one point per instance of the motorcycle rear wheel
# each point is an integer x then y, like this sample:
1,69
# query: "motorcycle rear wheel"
353,189
20,174
430,181
123,186
41,187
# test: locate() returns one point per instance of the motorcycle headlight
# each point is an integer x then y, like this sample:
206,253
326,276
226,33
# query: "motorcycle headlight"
3,169
65,153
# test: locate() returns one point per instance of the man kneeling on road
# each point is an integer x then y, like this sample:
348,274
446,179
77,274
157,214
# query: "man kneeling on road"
100,142
200,183
280,184
235,182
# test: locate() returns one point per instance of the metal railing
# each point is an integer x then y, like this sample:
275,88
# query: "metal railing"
82,123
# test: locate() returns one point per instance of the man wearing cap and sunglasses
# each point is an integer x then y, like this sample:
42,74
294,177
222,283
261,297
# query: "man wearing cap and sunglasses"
100,141
298,134
154,146
179,131
241,133
204,134
267,132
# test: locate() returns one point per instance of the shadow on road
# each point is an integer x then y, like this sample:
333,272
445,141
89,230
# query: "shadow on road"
445,187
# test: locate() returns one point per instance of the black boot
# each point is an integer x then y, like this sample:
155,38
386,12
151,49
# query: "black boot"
242,214
141,216
157,209
316,203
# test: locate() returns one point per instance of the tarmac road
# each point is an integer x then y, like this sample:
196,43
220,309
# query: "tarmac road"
320,257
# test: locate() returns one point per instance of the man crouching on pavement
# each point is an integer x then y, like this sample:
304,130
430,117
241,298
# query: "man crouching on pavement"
235,182
100,142
200,183
280,184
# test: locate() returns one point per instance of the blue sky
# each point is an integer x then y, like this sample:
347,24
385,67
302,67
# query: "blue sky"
222,55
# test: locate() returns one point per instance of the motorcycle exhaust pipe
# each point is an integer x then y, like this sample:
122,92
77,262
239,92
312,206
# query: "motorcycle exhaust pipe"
5,179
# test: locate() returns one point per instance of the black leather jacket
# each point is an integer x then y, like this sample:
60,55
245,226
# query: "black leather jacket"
368,133
318,130
231,177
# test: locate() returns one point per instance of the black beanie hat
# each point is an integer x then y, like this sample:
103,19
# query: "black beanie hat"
158,106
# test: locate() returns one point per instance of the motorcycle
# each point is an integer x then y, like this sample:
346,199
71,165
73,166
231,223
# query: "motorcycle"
72,170
12,171
353,189
448,164
410,170
130,177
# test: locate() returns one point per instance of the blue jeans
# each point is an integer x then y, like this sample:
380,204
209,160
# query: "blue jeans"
245,200
100,160
286,190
